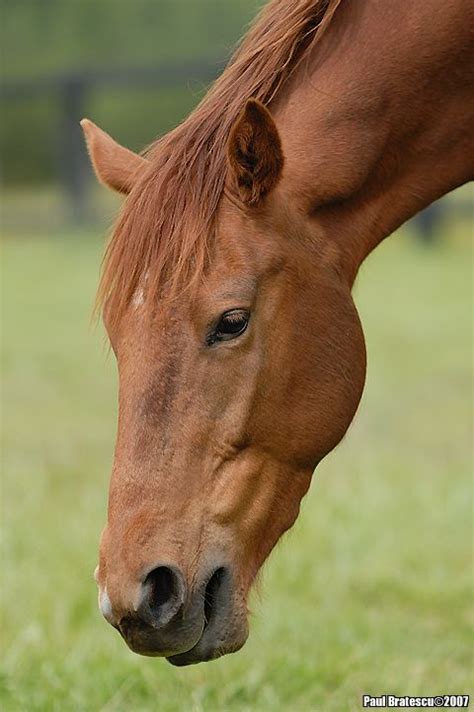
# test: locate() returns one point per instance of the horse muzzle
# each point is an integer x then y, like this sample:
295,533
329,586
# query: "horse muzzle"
183,626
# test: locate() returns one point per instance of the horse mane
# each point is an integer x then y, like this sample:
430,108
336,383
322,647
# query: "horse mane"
166,224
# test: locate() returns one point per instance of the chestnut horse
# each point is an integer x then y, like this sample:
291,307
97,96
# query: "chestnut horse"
226,293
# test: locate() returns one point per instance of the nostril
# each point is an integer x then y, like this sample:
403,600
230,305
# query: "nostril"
162,586
212,593
164,593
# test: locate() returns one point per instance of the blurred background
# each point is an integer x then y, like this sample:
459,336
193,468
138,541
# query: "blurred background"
372,590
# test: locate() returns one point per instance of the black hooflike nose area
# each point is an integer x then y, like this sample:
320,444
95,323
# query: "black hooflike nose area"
162,596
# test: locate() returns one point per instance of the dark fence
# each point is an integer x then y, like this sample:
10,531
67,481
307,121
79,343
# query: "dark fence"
71,91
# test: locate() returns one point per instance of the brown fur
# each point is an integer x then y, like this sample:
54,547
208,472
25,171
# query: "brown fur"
255,153
167,222
115,166
270,214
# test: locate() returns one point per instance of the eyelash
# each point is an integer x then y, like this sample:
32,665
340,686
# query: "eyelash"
217,332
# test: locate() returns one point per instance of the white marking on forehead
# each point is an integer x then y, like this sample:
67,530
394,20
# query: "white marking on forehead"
139,297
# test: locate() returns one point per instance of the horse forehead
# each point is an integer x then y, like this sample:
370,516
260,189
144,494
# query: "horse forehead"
161,390
155,370
153,346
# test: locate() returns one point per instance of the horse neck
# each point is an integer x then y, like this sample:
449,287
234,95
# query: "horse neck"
376,122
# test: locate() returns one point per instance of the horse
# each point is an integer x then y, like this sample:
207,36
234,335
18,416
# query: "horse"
226,293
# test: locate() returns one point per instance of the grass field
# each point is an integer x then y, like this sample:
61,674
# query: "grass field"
372,590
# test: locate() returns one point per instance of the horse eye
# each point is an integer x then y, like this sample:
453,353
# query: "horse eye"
230,325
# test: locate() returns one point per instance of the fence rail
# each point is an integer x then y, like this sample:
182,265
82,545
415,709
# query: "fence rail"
71,91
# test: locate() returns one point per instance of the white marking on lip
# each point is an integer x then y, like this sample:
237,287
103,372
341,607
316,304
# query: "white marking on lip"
105,605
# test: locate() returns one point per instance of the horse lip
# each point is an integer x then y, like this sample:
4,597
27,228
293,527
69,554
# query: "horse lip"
150,643
206,650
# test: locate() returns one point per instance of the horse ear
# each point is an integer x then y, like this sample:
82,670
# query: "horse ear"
115,166
254,152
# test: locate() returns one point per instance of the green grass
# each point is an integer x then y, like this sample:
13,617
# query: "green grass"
370,593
